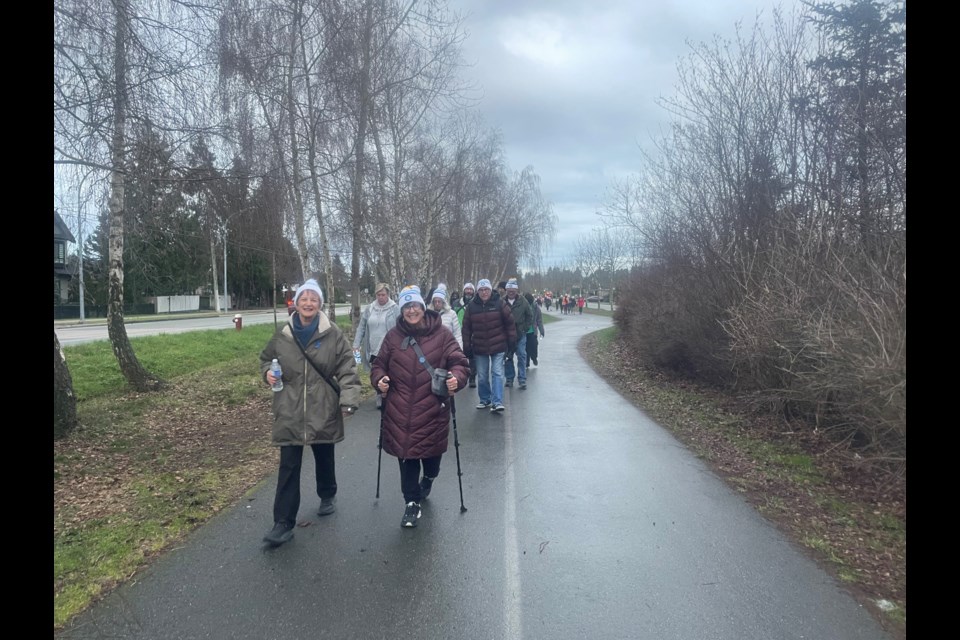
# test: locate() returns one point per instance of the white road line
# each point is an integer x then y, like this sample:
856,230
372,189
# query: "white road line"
511,553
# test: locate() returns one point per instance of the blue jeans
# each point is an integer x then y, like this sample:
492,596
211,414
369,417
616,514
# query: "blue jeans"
521,356
490,366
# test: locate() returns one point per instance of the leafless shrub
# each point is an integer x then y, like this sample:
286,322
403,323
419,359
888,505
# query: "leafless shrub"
825,340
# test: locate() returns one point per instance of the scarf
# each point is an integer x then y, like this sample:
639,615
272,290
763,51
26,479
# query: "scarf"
304,333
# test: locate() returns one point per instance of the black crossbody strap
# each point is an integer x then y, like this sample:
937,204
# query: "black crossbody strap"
330,381
409,341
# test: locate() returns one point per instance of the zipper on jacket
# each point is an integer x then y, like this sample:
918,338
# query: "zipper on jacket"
305,365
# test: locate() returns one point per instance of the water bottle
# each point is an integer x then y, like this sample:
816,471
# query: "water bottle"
275,370
356,356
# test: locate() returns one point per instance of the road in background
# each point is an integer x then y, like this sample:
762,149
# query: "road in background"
72,334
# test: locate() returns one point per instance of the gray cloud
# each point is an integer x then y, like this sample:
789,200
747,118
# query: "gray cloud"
573,86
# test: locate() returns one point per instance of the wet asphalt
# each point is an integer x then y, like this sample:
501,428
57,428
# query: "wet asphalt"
584,519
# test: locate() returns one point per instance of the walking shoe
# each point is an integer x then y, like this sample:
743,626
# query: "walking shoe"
425,485
281,532
523,385
411,515
508,383
535,363
327,506
482,405
497,408
473,382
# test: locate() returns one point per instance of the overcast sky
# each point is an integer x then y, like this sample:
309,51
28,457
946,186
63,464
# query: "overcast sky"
572,85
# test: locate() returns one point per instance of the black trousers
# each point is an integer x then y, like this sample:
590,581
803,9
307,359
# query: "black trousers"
286,503
533,351
410,475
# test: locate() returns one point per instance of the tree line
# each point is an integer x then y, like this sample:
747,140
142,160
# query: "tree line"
297,134
766,230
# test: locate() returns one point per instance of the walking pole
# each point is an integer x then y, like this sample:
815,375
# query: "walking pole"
456,446
380,448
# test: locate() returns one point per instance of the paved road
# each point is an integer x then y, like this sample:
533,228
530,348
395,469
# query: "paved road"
76,333
585,520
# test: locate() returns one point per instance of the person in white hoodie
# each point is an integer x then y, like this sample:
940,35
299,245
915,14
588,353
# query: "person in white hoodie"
376,320
448,315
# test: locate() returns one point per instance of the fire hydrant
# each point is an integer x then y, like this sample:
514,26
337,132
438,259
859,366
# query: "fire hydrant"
238,321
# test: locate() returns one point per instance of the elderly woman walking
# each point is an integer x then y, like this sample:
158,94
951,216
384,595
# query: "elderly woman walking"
416,420
320,387
376,320
449,317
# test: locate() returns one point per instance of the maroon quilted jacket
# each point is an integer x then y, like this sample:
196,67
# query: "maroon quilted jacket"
415,421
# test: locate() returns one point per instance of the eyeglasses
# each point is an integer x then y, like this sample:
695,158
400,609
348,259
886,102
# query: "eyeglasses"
413,306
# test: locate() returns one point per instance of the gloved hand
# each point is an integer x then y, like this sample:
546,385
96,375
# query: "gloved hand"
468,353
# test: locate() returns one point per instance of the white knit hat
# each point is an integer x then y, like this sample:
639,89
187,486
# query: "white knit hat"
440,291
512,284
469,285
484,283
410,294
309,285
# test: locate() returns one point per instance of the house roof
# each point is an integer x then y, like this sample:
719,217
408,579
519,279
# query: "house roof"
60,229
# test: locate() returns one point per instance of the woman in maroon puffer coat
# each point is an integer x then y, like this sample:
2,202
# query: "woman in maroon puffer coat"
415,421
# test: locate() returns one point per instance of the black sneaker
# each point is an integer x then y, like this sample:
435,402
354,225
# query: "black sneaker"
535,363
425,485
483,405
497,408
473,383
281,532
411,515
509,383
523,385
327,506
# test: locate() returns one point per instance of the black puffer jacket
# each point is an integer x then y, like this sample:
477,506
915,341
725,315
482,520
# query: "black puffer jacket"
415,421
488,327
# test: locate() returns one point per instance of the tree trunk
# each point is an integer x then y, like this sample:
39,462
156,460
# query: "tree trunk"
299,222
64,400
312,143
136,376
359,173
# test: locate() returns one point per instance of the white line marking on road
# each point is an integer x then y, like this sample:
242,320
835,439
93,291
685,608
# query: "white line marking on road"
511,552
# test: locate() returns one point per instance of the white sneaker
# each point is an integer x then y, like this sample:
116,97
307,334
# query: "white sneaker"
497,408
483,405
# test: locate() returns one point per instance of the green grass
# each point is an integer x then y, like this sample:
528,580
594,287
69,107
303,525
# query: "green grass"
95,371
598,312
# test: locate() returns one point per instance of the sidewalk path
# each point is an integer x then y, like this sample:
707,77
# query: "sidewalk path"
585,520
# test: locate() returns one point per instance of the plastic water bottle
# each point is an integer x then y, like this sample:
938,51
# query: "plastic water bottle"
356,356
277,372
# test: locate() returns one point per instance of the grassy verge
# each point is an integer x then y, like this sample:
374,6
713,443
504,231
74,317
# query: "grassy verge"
143,470
853,520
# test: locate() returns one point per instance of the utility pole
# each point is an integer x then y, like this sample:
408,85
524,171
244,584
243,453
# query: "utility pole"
273,295
226,300
80,207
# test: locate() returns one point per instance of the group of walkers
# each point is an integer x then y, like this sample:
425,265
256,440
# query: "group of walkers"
567,302
419,356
